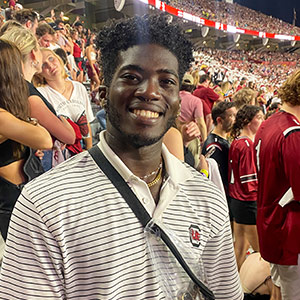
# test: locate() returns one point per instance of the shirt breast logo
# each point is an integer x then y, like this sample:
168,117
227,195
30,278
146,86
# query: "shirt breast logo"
194,235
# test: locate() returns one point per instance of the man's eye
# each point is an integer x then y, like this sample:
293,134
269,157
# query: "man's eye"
51,58
169,81
130,77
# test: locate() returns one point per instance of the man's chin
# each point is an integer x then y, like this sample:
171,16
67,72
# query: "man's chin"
138,141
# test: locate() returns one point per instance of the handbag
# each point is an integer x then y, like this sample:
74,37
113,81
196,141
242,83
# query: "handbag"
32,166
144,218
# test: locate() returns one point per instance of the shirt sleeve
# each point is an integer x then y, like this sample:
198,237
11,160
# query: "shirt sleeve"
291,162
199,108
212,95
221,272
32,266
88,108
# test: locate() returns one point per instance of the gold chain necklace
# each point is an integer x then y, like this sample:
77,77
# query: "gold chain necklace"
152,173
156,179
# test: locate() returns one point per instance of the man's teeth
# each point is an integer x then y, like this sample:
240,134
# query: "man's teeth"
146,113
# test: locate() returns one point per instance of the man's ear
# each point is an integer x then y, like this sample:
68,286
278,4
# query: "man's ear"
219,120
103,95
28,24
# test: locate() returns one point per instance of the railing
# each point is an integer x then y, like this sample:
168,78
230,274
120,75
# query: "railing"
228,28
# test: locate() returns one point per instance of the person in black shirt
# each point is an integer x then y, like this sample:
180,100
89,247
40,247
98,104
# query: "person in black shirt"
223,115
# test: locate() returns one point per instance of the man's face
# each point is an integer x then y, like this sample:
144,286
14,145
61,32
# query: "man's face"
46,40
143,95
61,25
206,83
229,119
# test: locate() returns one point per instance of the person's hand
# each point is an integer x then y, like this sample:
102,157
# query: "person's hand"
203,163
189,132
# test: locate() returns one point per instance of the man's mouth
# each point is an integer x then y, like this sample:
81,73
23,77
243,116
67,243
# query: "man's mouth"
146,113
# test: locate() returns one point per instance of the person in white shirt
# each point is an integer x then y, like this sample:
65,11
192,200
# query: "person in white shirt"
69,98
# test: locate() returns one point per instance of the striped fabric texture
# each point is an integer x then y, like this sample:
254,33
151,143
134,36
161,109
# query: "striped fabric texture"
72,236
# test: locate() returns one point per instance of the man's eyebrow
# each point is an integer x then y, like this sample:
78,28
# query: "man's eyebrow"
141,70
132,67
168,71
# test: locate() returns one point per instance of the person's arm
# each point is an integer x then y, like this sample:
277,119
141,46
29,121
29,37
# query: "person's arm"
88,141
290,150
213,96
202,127
189,132
59,128
68,45
25,133
30,243
173,141
199,118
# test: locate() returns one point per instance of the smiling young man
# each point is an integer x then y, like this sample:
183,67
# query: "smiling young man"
75,234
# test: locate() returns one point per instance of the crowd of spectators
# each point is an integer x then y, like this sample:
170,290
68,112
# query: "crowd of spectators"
54,33
264,68
236,15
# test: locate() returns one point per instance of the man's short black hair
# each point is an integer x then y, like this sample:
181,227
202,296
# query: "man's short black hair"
219,110
77,24
120,35
203,78
25,15
58,21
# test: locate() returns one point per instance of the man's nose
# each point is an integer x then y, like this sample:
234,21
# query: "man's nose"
149,90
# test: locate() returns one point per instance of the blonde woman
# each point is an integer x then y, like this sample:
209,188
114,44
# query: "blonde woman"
69,98
40,107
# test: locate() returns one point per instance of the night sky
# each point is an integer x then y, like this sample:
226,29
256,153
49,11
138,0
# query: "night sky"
282,9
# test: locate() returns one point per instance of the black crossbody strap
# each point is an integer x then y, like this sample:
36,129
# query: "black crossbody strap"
120,184
141,214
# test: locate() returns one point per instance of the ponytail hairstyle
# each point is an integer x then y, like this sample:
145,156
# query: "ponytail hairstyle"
243,117
24,39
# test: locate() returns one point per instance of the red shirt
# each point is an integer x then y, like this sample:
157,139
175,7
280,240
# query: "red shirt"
207,95
278,160
242,175
76,50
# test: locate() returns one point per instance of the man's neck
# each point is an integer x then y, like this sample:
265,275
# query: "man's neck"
28,71
220,132
140,161
294,110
